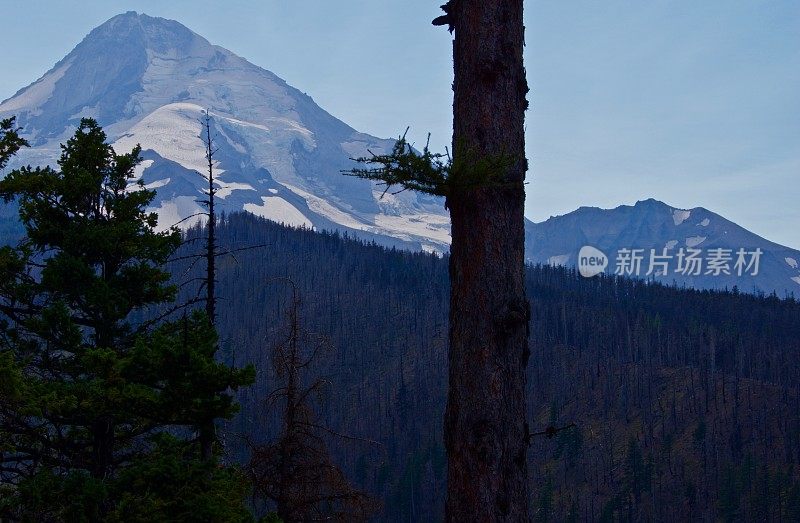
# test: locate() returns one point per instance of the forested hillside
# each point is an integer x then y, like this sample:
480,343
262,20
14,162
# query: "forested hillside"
684,403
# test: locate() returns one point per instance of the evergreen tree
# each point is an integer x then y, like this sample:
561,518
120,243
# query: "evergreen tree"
92,402
10,140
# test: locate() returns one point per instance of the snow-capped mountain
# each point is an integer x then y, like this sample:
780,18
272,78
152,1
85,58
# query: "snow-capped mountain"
147,80
691,247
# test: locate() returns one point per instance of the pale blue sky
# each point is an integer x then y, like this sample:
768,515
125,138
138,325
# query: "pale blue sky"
693,103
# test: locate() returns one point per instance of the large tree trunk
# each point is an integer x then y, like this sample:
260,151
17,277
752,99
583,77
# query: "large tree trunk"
485,428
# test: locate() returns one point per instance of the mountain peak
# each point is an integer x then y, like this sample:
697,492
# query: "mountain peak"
159,35
650,226
147,81
133,18
106,74
125,17
650,202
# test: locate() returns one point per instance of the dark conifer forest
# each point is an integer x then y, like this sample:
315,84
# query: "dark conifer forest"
645,402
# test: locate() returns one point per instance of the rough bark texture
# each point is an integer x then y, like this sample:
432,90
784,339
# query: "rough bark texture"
485,429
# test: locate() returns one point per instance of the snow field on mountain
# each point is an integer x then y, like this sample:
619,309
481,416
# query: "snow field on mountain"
679,216
279,210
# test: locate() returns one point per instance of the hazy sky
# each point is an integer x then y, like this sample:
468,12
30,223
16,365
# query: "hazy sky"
696,103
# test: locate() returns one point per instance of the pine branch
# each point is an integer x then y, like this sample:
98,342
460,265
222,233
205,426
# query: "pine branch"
404,167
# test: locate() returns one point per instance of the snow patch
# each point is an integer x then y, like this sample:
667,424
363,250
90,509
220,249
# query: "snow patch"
704,223
694,241
139,170
240,123
278,210
405,202
423,225
226,188
36,94
87,111
560,259
405,226
358,148
286,123
173,132
170,212
326,209
239,148
791,262
679,216
156,184
796,279
670,244
273,191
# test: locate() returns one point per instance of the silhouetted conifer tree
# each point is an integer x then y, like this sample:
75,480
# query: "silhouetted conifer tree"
96,409
296,472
